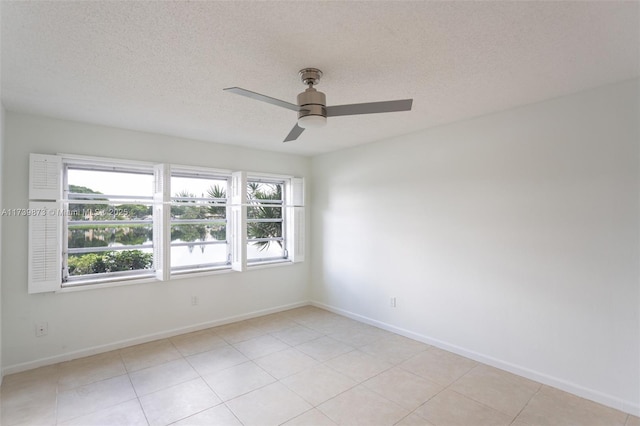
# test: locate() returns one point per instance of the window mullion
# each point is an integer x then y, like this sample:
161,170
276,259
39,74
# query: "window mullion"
238,221
162,221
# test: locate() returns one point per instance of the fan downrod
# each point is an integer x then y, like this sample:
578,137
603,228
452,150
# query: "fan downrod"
310,76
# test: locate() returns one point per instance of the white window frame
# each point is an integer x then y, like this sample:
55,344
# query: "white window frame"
46,185
295,221
102,165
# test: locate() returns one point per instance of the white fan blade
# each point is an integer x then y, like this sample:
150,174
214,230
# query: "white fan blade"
369,108
263,98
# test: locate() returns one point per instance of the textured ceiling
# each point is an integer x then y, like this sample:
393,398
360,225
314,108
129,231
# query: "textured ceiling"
161,66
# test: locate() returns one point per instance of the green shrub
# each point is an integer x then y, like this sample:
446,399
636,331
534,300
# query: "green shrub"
109,261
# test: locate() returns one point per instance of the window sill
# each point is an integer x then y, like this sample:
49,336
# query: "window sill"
120,282
106,283
194,274
269,264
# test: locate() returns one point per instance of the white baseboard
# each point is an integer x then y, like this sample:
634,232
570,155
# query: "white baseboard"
611,401
68,356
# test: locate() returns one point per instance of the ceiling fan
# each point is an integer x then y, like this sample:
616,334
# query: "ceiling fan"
311,108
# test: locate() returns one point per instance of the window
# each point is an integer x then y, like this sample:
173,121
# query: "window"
198,221
98,220
108,222
265,220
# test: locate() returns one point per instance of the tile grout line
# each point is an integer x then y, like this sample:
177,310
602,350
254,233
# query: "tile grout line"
357,383
144,413
446,387
528,401
299,415
57,397
249,360
200,376
175,384
322,363
478,364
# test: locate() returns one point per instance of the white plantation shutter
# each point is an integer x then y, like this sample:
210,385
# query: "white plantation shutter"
295,221
45,250
296,230
45,224
238,221
45,177
297,192
161,221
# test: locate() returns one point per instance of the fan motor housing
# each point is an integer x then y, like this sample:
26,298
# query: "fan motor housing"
312,102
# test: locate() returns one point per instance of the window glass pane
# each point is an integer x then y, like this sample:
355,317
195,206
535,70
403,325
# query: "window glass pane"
198,233
264,251
198,215
198,255
260,191
188,233
198,187
198,198
189,210
79,211
94,234
264,230
263,212
99,229
109,261
111,183
264,221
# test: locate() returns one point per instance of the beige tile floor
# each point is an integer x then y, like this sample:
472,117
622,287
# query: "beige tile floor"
305,366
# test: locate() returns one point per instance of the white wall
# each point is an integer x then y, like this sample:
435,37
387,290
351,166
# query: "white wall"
99,319
511,238
1,172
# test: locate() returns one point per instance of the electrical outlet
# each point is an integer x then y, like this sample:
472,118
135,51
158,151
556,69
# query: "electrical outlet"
392,302
194,300
42,329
